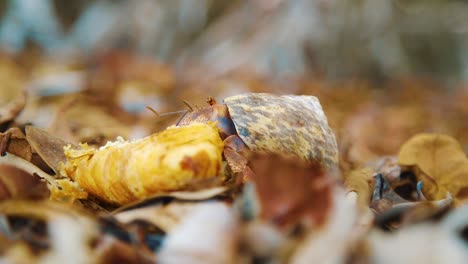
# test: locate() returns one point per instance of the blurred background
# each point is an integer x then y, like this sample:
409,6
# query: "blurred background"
86,70
373,39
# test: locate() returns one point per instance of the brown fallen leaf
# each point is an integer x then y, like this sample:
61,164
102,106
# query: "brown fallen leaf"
439,162
164,216
15,142
168,210
290,190
49,148
361,182
111,250
17,183
17,162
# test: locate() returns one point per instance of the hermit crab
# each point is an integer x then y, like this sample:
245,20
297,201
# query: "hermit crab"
289,124
122,172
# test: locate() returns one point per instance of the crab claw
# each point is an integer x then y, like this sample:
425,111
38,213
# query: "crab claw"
235,153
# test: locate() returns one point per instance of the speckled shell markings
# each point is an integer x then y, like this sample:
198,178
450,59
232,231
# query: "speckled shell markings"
289,124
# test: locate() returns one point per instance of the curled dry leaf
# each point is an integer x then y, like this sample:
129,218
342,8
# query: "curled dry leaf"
288,124
17,183
48,147
291,191
15,142
164,216
111,250
395,190
408,213
439,162
60,189
122,172
17,162
397,198
167,211
361,182
391,186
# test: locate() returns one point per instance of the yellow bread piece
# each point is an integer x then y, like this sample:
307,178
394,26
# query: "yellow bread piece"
125,171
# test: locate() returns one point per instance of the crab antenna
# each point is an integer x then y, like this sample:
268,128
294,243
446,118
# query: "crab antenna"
164,114
153,110
188,105
175,112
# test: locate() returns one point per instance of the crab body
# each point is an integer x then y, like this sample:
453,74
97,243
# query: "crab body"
233,144
216,113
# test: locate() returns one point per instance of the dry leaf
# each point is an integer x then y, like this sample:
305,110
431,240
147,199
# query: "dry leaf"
15,142
52,150
48,147
164,216
112,250
11,159
166,211
439,161
290,190
361,182
17,183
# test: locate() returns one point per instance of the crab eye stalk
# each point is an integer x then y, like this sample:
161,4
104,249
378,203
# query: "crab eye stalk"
211,101
216,113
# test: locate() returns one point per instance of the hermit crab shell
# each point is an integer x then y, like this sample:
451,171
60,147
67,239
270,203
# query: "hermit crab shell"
289,124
